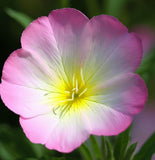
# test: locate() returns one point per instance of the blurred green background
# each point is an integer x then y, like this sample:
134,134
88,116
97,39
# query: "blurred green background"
129,12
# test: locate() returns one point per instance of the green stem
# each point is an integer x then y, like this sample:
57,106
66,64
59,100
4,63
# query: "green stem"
96,148
86,152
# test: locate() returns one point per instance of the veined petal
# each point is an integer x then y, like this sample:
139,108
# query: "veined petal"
39,40
126,93
39,128
25,101
113,50
103,120
25,69
72,36
63,135
26,80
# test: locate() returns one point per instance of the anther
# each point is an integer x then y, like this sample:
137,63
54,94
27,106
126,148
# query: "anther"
82,92
76,86
82,78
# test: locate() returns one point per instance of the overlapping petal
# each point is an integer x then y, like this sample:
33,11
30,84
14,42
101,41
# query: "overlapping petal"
25,81
104,120
111,52
126,93
72,35
63,135
39,40
25,101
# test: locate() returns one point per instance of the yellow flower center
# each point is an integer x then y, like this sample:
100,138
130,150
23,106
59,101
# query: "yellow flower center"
68,94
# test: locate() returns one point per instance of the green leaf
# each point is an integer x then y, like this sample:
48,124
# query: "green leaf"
13,144
147,67
96,148
113,7
121,144
130,151
86,152
22,18
147,150
103,148
109,147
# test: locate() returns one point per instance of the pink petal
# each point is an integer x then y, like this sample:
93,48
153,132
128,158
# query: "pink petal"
143,125
126,93
39,40
25,69
63,135
72,36
113,51
38,129
25,101
25,81
103,120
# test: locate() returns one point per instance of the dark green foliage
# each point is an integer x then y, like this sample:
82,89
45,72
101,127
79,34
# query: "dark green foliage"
147,150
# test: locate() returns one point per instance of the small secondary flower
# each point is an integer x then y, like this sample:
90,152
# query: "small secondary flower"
147,36
74,77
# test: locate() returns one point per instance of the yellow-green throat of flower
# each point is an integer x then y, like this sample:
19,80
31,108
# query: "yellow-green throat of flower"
69,95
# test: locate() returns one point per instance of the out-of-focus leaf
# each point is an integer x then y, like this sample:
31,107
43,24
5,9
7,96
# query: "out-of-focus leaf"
86,152
28,159
13,144
103,148
109,147
130,151
22,18
92,7
147,150
96,148
147,67
113,7
64,3
121,144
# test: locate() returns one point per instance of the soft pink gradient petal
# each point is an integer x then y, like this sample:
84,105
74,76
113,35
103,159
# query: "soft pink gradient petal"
25,101
104,120
72,36
143,125
63,135
113,50
39,128
25,82
25,69
39,40
126,93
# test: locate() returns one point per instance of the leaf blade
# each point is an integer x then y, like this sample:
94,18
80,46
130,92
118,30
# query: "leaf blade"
21,18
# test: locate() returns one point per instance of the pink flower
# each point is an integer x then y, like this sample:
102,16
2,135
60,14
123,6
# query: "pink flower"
143,126
74,77
147,35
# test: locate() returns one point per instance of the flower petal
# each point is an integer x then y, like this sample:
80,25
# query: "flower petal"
63,135
72,37
38,129
103,120
126,93
38,39
27,102
25,81
113,51
25,69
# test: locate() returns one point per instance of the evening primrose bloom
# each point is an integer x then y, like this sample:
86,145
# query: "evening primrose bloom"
74,77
